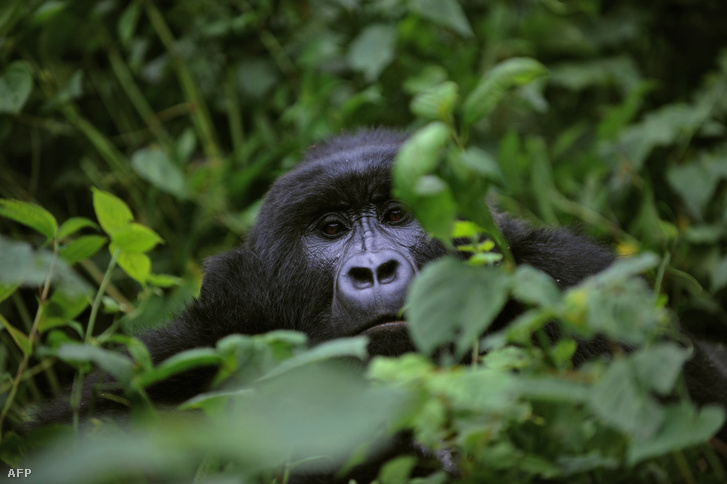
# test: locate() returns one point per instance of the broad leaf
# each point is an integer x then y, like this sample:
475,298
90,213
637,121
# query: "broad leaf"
623,401
436,103
373,50
7,290
25,266
179,363
156,167
30,215
16,84
683,427
419,155
73,225
82,248
113,214
117,365
135,264
18,336
135,238
62,308
348,347
490,90
447,13
535,287
453,302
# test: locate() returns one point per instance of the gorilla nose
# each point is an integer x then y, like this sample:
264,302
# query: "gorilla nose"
362,277
375,281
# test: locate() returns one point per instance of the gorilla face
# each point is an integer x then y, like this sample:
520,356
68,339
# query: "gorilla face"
332,254
332,229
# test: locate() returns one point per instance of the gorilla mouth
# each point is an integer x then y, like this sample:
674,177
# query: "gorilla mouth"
386,323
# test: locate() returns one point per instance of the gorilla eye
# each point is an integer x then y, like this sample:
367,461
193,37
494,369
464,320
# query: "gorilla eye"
332,228
394,215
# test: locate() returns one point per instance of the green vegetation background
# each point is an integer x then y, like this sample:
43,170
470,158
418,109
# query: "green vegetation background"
188,110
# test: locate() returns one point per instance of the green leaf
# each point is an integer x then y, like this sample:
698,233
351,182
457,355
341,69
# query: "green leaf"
23,265
662,127
447,13
163,280
683,427
18,336
625,311
430,76
135,238
420,155
135,264
117,365
415,184
625,268
348,347
694,184
16,84
31,215
82,248
618,117
659,366
516,71
216,402
7,290
507,358
73,225
464,229
719,275
112,213
62,308
436,103
155,166
46,12
483,164
451,301
551,389
127,22
72,89
434,206
372,50
621,400
179,363
535,287
397,471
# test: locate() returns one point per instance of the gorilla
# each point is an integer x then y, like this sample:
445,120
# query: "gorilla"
332,254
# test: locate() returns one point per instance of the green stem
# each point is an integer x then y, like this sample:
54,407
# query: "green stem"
660,273
237,132
200,114
31,337
683,467
475,352
99,296
77,389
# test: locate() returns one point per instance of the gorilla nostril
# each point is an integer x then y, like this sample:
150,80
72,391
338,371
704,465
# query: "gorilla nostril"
362,277
386,272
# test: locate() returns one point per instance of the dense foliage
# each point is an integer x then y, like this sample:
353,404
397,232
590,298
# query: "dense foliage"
148,131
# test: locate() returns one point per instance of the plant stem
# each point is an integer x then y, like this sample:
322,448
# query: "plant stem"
99,295
475,352
31,337
76,391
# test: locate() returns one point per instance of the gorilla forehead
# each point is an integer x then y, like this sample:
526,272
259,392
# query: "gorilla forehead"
347,180
349,172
